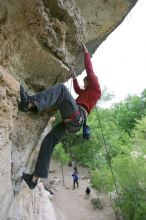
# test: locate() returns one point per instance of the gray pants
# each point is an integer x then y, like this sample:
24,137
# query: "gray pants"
57,96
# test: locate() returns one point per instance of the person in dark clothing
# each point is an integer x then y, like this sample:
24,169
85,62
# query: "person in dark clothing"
75,178
88,191
73,113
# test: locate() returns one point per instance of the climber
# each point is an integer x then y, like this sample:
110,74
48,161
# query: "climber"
73,113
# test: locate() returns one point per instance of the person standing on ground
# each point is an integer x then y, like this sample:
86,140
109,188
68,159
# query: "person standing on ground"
75,176
73,113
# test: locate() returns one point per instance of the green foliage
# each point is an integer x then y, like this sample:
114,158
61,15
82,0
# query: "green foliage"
116,140
129,172
139,136
102,179
133,170
130,178
143,98
127,112
60,154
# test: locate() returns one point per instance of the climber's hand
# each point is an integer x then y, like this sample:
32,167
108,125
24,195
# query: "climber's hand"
84,47
72,73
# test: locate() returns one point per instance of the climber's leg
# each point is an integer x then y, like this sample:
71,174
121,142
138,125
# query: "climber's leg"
43,160
73,184
25,100
47,146
32,183
57,96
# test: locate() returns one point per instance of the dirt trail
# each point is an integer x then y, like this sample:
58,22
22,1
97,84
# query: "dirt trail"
72,204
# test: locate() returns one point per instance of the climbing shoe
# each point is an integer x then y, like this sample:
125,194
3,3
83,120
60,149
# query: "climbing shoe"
25,99
28,179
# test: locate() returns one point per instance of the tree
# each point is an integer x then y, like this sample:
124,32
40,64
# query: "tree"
128,111
139,136
60,155
129,173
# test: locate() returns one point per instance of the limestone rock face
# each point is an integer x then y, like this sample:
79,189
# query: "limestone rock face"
30,205
39,40
8,111
20,136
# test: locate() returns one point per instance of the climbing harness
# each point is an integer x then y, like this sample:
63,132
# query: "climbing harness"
74,122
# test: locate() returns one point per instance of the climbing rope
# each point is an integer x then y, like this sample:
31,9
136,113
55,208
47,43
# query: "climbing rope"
104,144
106,150
71,82
109,162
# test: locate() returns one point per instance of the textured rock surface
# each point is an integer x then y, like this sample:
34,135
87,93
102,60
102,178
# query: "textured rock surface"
39,37
19,144
30,205
38,40
8,94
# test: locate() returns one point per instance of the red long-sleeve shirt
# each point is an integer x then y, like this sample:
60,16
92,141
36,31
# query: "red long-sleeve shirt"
90,95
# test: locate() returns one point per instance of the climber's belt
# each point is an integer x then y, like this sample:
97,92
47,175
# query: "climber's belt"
74,122
84,110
